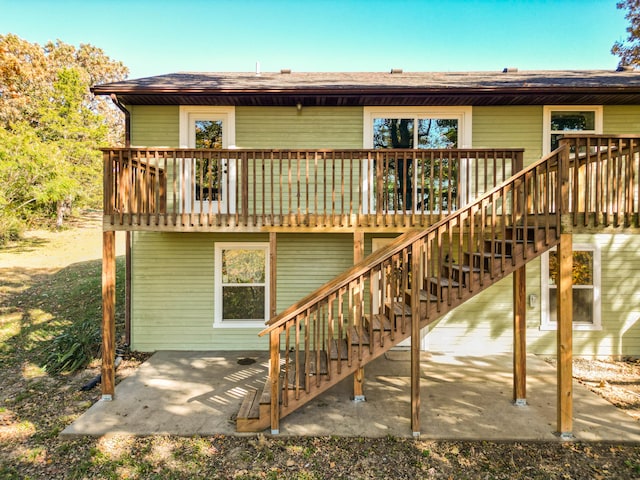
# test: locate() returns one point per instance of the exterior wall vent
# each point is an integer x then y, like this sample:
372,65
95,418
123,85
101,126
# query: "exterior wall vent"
285,71
396,70
510,70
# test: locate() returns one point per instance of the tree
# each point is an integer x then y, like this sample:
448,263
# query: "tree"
629,49
51,127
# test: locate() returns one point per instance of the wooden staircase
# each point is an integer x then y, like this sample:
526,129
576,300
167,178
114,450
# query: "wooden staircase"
309,374
422,275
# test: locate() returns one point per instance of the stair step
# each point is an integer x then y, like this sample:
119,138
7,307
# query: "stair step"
380,322
311,366
497,245
399,309
250,407
354,336
333,349
265,396
483,260
443,282
462,273
424,296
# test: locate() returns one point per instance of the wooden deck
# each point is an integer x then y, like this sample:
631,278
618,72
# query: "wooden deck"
271,190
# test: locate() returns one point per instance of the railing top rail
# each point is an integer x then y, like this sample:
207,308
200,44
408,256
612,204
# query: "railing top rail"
319,150
400,243
596,135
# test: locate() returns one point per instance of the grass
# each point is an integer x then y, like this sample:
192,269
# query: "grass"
49,308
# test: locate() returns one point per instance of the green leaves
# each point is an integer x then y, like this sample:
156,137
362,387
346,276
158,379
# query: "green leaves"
51,128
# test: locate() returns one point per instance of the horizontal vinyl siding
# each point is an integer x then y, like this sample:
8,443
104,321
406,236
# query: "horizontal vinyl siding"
621,119
306,262
154,126
509,127
288,128
173,294
481,325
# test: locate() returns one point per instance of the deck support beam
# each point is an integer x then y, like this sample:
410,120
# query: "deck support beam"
519,336
415,343
565,336
108,314
273,272
358,375
274,379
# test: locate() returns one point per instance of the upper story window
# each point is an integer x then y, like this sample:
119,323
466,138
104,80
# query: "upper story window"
563,119
415,132
417,127
406,184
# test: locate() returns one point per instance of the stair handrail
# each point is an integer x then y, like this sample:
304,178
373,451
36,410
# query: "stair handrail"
402,242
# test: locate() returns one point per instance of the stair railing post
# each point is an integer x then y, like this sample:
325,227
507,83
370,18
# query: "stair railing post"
274,379
563,177
415,338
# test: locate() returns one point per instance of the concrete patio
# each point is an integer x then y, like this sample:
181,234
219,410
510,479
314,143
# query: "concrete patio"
462,398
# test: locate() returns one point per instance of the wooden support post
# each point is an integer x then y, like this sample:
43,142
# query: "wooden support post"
519,336
108,314
358,375
274,379
273,270
415,341
127,290
564,335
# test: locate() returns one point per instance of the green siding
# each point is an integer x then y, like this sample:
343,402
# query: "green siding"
173,279
173,285
155,126
173,291
286,127
306,262
509,127
621,119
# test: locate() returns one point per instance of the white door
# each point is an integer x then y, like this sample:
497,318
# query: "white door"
210,182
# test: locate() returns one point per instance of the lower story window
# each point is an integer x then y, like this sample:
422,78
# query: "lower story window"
241,284
585,290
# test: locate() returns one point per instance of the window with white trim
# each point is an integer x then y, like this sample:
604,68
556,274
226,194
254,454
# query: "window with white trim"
241,284
585,290
407,186
562,119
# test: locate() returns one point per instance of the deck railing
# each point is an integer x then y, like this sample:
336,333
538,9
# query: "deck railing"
604,188
198,188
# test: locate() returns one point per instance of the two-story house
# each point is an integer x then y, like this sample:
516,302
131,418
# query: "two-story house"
500,209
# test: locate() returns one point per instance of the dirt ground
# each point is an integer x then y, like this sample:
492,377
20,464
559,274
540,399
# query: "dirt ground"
35,407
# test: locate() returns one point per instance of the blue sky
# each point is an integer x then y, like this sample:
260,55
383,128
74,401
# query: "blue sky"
161,36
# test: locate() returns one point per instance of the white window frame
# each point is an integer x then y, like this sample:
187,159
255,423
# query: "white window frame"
218,321
187,116
546,323
546,118
462,114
